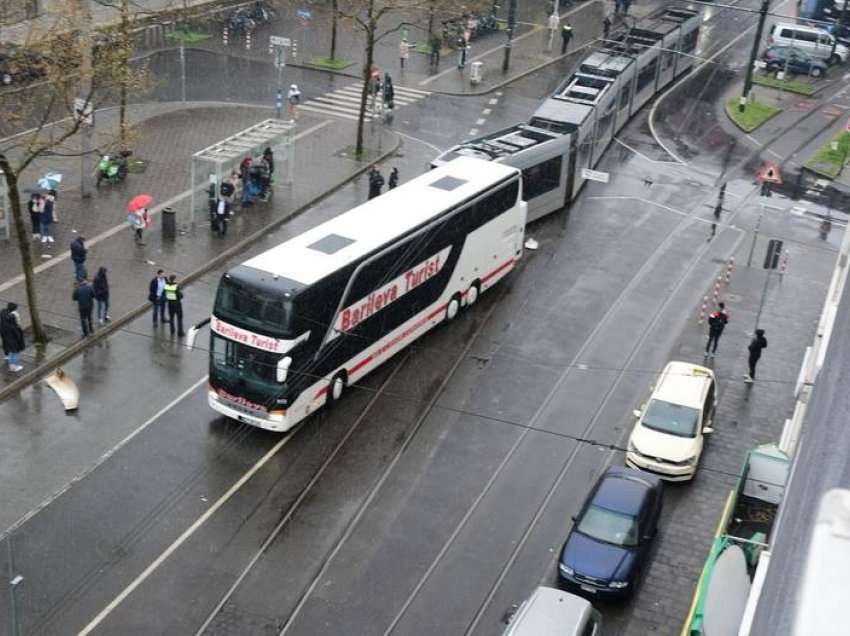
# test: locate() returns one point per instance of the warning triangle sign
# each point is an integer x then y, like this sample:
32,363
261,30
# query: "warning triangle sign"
769,173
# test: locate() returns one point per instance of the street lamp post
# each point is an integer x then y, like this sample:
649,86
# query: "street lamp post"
748,79
511,26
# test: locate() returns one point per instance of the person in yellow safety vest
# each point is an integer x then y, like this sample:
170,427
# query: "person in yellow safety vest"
174,299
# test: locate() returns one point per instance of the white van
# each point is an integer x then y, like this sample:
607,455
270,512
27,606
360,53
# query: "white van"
816,41
552,612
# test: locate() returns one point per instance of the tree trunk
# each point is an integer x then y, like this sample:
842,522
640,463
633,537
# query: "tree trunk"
22,234
367,72
125,59
333,28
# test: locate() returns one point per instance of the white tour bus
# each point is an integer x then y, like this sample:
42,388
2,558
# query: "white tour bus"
292,327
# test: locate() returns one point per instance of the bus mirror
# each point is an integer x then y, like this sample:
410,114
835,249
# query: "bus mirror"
283,368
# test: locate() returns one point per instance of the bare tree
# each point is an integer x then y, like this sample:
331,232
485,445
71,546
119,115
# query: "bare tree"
43,118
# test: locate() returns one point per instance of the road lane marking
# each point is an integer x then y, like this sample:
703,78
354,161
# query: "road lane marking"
99,461
486,111
106,611
436,149
122,227
480,122
493,101
693,72
473,132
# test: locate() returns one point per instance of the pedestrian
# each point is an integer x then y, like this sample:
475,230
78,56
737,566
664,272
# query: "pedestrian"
717,320
376,182
84,297
606,27
389,92
268,157
403,52
566,36
393,178
227,189
618,6
12,336
78,257
758,343
553,24
174,298
293,97
34,206
138,222
51,196
221,213
101,296
436,45
47,219
626,5
462,47
156,295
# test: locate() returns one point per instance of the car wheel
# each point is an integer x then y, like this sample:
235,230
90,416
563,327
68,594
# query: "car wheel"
816,72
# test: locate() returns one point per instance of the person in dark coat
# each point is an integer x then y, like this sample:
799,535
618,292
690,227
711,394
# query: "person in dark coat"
47,219
717,320
393,178
78,256
84,297
758,343
566,36
376,182
156,294
101,295
606,27
268,157
34,205
12,336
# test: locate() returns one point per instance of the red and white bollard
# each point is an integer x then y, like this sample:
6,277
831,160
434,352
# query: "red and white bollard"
225,36
716,292
783,266
702,310
248,41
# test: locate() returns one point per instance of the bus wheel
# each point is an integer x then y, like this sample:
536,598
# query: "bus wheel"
453,308
472,293
337,387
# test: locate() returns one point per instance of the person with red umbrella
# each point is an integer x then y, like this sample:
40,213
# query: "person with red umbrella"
139,218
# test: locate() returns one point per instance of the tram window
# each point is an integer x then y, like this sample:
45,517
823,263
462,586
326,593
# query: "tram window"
690,41
625,92
668,60
542,178
647,75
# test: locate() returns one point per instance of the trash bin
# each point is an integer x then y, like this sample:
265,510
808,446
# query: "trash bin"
169,224
475,73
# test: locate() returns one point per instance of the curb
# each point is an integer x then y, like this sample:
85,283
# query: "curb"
37,373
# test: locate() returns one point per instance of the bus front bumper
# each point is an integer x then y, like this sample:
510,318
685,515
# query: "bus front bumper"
274,421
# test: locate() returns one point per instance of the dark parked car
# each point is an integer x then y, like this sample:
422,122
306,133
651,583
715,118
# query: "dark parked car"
798,61
607,549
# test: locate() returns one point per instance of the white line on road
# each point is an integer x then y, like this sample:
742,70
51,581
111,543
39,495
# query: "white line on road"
493,101
755,141
106,611
473,132
58,258
421,141
480,122
651,117
486,111
99,461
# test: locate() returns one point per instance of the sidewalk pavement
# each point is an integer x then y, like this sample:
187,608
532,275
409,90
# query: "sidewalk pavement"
168,137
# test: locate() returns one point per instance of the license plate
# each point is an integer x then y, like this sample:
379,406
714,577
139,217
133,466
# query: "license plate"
587,588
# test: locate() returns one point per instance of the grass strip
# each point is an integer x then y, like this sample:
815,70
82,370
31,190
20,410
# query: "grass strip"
790,85
753,116
829,162
331,64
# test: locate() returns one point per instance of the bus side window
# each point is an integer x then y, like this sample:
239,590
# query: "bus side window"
497,203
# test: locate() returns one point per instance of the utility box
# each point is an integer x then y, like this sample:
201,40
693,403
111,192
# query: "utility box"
475,73
169,224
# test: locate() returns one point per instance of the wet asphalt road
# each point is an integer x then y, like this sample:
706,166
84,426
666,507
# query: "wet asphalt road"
434,497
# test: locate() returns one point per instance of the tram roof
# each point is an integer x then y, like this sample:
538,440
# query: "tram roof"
328,247
502,143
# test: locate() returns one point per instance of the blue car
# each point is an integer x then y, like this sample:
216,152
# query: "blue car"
608,547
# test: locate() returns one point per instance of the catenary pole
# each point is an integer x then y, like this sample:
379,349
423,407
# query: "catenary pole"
748,79
506,63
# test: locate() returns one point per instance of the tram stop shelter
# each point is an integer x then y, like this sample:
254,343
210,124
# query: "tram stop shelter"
214,163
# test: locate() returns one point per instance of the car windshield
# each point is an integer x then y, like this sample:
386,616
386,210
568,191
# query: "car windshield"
251,363
674,419
254,308
608,526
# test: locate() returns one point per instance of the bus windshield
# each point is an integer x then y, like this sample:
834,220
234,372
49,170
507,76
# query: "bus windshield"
255,308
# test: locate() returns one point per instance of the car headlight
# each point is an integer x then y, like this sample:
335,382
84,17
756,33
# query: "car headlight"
566,570
618,585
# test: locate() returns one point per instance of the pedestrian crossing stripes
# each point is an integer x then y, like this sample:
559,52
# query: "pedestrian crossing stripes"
345,102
